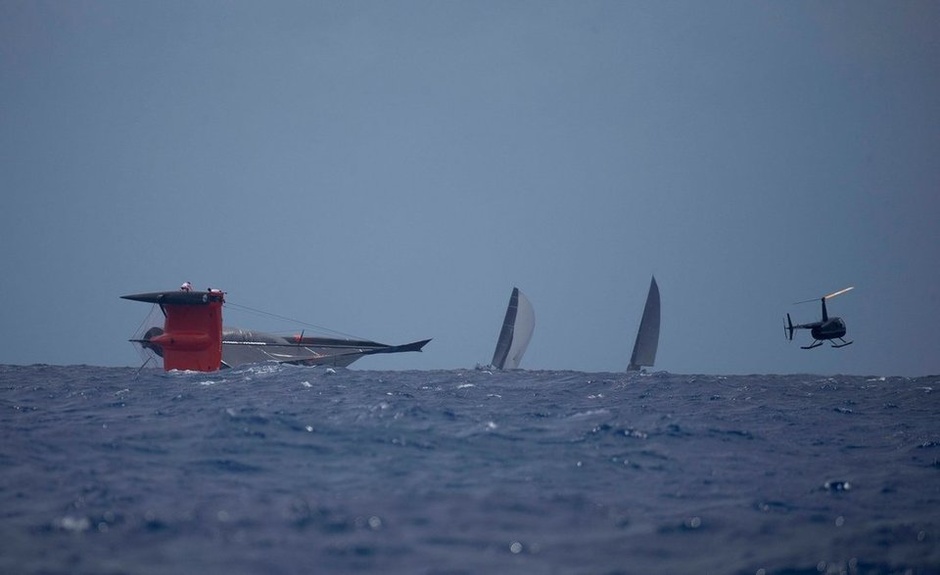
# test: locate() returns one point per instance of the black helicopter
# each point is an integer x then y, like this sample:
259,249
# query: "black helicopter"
828,328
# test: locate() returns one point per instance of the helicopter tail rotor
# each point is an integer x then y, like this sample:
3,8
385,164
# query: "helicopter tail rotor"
788,328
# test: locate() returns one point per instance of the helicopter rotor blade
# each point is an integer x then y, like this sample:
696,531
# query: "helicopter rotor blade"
832,295
840,292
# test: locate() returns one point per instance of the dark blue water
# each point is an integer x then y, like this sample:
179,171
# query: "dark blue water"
281,469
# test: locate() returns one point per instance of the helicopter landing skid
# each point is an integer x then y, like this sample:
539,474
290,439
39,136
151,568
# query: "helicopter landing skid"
818,342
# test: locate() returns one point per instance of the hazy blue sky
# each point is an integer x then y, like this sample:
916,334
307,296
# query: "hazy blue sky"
392,169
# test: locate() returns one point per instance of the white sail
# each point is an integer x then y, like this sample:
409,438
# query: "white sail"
647,337
518,326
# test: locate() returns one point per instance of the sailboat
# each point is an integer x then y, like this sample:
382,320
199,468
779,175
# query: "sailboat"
516,332
193,338
647,337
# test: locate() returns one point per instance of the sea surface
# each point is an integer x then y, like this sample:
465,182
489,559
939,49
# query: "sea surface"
275,469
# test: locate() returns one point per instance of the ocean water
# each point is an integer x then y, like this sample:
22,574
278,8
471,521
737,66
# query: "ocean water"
280,469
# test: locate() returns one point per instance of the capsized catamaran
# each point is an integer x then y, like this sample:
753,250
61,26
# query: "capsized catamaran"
193,338
647,337
518,326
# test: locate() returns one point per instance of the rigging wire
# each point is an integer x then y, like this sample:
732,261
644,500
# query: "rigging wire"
145,322
247,309
139,369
